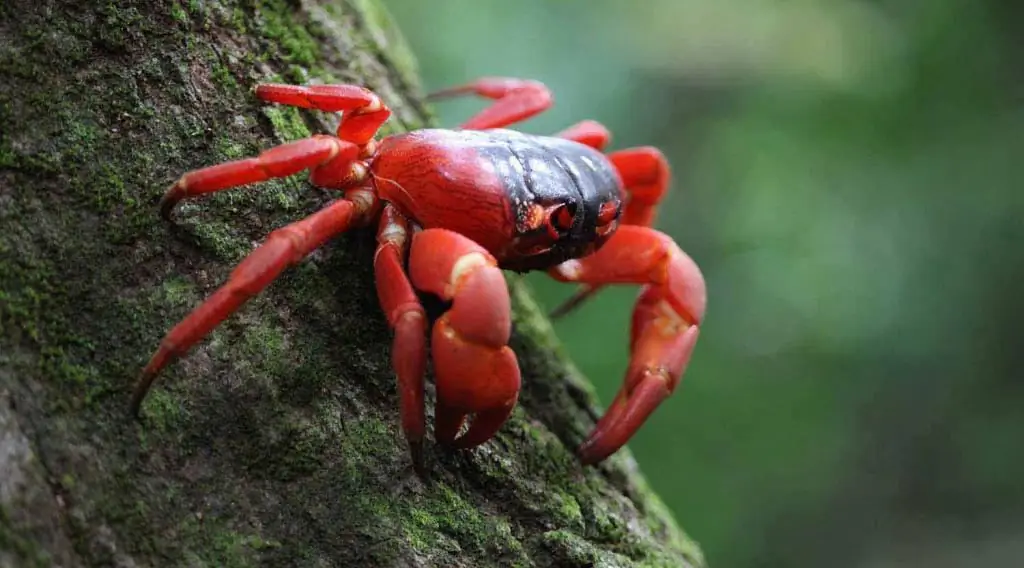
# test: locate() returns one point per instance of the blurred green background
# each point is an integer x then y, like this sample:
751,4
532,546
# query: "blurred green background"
847,174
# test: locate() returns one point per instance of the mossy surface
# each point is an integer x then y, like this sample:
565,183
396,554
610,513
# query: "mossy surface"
275,441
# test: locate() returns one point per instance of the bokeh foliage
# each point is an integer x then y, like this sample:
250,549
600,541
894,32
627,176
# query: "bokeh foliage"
847,174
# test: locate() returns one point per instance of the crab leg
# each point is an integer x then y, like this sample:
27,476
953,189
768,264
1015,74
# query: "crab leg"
645,176
282,161
665,325
363,111
407,319
515,100
283,247
589,133
476,371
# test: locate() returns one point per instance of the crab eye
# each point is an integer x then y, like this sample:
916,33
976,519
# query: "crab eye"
563,216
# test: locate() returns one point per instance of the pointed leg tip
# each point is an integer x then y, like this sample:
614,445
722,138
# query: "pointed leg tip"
142,386
438,95
557,313
591,456
135,404
418,462
135,410
449,92
585,458
585,452
167,203
582,294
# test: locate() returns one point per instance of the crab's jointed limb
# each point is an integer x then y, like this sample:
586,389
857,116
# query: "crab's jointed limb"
476,371
282,248
363,111
515,100
407,319
313,153
665,325
589,133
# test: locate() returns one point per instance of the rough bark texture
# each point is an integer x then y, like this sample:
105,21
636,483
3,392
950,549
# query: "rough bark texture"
275,442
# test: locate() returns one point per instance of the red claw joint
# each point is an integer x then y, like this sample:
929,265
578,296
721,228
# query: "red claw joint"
453,209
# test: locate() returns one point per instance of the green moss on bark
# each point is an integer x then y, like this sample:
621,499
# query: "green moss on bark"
275,441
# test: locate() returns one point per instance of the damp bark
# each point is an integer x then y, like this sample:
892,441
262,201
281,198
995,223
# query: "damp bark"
275,441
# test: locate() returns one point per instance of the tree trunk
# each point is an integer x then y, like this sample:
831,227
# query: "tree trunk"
276,440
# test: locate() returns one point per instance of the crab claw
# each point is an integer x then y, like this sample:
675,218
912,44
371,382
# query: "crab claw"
662,343
665,325
476,372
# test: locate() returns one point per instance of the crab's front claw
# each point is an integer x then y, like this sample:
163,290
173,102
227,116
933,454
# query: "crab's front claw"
475,370
664,330
662,343
481,379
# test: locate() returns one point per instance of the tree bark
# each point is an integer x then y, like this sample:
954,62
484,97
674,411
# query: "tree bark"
276,440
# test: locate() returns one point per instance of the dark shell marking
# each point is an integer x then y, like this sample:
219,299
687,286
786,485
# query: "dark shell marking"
544,170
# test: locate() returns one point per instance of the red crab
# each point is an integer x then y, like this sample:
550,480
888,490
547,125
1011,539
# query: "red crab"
453,208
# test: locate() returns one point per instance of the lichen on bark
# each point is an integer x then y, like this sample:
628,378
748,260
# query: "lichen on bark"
275,441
